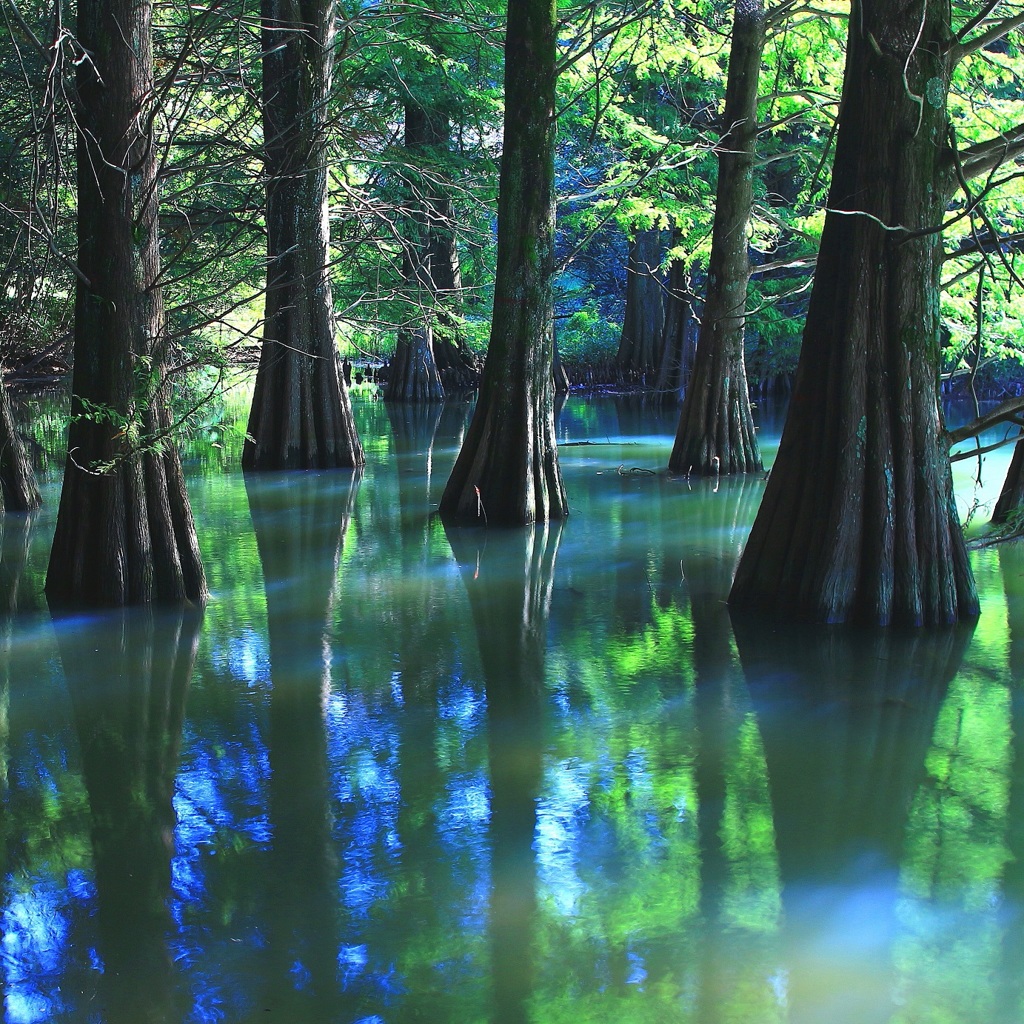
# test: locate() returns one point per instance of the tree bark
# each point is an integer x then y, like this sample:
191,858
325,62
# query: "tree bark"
301,417
1011,496
858,521
124,533
644,318
507,470
716,429
18,489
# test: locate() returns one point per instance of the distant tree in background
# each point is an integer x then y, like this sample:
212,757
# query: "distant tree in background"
644,317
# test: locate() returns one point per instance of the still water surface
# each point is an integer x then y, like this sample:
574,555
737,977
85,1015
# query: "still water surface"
400,774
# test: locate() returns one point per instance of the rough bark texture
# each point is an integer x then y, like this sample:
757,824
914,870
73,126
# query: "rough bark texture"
507,470
716,430
18,488
858,520
124,532
301,417
644,317
678,335
1011,496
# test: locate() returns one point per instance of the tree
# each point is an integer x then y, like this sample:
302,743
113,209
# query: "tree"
301,416
858,520
124,531
716,429
18,489
413,375
678,334
507,470
640,342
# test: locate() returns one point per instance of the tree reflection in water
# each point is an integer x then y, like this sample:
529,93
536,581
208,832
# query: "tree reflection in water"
128,676
508,576
1011,996
300,522
847,723
416,793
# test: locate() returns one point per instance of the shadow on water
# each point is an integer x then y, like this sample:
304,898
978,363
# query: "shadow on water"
128,677
300,521
508,577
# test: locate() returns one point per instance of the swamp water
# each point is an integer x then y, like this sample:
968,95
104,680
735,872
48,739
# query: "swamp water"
400,774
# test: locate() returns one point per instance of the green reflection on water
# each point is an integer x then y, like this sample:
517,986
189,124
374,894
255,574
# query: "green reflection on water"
528,776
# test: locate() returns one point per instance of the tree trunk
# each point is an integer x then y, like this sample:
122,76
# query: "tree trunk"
1011,497
18,488
858,520
124,532
301,417
678,335
507,471
413,375
644,317
716,430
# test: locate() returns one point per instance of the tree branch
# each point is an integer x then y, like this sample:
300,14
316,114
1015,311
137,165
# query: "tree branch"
986,156
1002,413
960,50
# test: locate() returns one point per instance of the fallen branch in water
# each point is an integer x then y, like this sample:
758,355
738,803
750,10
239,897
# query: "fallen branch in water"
581,444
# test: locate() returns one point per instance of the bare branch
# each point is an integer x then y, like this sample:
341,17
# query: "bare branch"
986,156
1003,413
960,50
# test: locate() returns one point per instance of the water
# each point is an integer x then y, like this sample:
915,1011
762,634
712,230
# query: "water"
400,774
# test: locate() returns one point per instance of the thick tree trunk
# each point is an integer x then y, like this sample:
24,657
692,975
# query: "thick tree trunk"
858,520
18,489
644,318
507,471
124,532
678,335
301,417
1011,496
716,430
